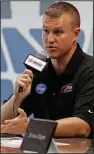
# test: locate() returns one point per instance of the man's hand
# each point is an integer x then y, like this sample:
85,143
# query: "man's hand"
17,125
24,81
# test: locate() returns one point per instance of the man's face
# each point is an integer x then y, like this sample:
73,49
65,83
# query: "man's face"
58,35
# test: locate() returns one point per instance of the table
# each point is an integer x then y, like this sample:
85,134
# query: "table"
73,145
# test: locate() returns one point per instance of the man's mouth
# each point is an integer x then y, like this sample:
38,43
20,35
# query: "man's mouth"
50,47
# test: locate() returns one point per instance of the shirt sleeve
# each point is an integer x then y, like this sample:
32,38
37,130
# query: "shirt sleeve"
84,98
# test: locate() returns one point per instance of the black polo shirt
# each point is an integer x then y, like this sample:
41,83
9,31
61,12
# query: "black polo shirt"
67,95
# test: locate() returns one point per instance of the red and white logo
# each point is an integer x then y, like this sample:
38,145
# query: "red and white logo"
67,88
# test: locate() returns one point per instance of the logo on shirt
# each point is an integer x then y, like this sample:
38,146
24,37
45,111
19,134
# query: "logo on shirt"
40,88
90,111
67,88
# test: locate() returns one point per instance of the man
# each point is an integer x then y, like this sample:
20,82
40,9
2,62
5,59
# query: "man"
64,90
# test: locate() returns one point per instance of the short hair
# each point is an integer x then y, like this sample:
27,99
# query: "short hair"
59,8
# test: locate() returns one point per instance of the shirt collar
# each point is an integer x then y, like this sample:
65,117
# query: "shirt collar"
73,64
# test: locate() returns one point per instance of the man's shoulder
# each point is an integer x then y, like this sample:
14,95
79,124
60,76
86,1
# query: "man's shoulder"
86,63
87,60
85,69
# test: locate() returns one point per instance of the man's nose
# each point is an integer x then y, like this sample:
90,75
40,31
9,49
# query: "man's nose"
51,38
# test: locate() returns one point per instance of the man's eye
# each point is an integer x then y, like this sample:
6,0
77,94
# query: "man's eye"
58,32
45,30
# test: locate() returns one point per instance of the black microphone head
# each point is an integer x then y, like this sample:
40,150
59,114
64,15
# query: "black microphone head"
41,56
36,62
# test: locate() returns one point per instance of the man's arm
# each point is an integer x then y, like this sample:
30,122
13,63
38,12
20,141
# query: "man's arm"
24,81
81,124
7,108
72,127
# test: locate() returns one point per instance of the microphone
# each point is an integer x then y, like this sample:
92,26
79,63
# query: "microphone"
36,63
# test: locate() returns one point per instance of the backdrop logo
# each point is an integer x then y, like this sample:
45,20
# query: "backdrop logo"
17,42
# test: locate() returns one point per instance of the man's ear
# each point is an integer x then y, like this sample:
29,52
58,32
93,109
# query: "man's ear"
76,34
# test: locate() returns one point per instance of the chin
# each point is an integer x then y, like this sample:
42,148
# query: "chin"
54,56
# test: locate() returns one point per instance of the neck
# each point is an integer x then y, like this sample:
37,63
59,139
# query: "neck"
60,63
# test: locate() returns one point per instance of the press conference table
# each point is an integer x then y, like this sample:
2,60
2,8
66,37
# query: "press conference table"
73,145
